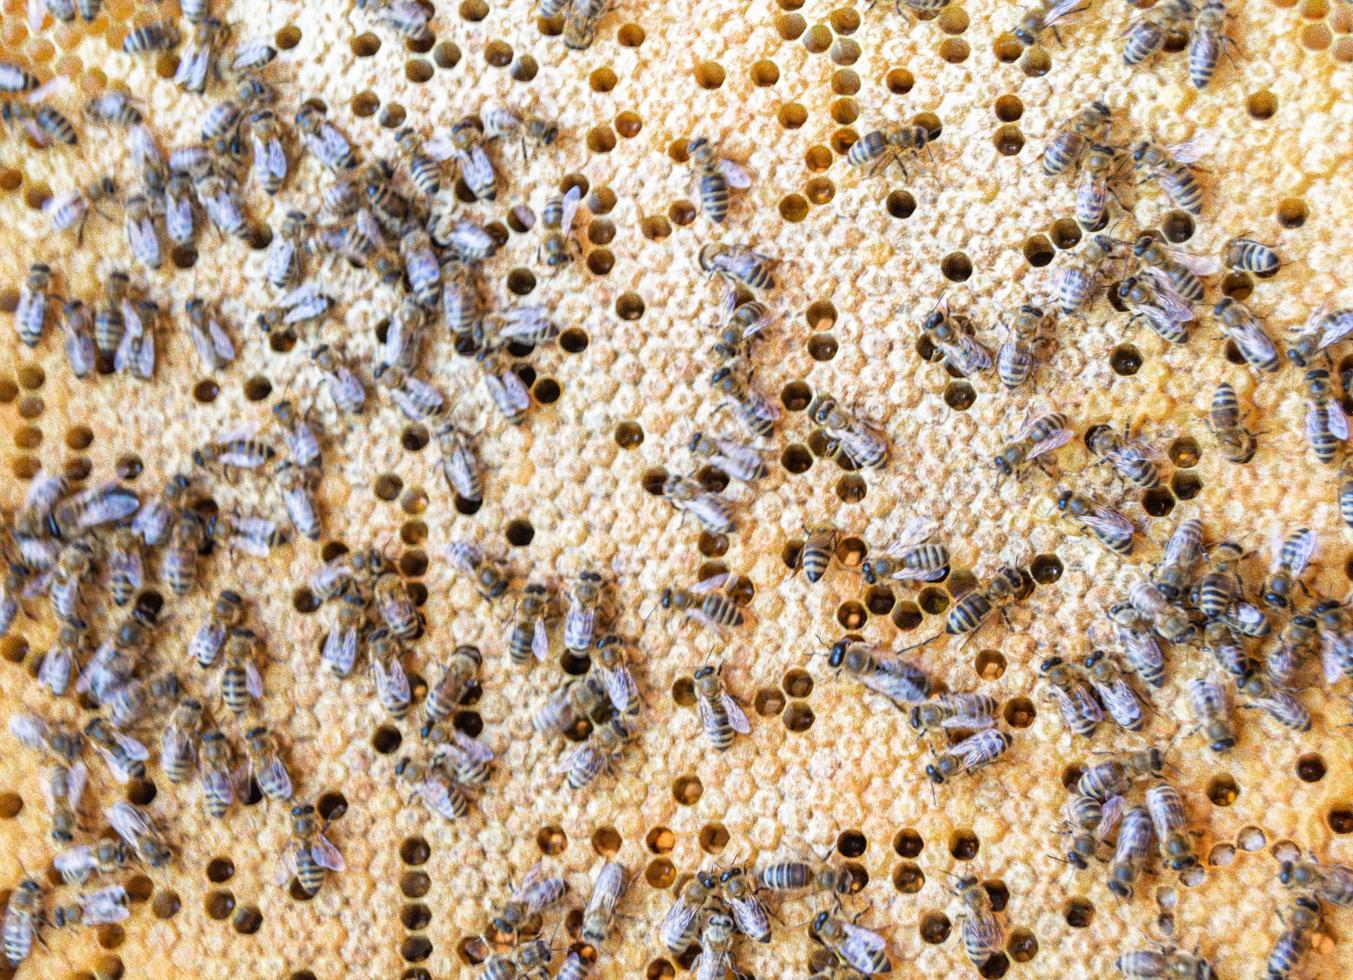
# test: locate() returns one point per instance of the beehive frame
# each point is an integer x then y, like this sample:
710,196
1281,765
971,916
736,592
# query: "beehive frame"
785,88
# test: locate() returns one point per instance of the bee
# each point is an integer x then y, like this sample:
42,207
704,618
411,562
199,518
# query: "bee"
1281,705
1291,556
465,240
136,350
575,702
503,123
66,589
63,745
1148,964
1213,711
1326,424
1130,853
136,828
78,864
720,716
1133,460
982,933
114,109
710,509
965,711
77,325
558,223
1147,36
488,576
23,914
682,920
457,461
1248,255
301,442
61,663
1101,164
1109,527
816,555
1091,822
1323,328
586,762
73,208
909,557
536,893
266,765
341,642
977,751
1076,283
256,536
213,345
1303,921
863,949
14,79
180,223
1336,640
1331,883
1166,619
252,55
1156,303
235,452
1207,41
387,674
1181,269
95,908
240,681
309,854
391,600
737,264
971,609
63,788
714,176
897,679
1117,695
529,325
580,23
178,744
1015,357
1075,698
30,316
1247,333
716,941
438,792
422,165
1169,167
952,336
270,154
417,399
124,755
1039,435
1115,776
125,571
1167,817
1087,125
283,266
220,122
218,781
321,138
507,391
226,613
1219,590
706,604
864,443
296,485
784,876
1182,553
755,411
88,509
406,18
199,58
220,199
344,387
527,636
1236,443
464,143
461,308
580,620
882,147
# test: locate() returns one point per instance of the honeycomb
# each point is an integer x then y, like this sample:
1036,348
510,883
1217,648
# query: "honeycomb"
786,90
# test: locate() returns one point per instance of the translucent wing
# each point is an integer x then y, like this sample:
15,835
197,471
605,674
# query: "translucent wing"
253,682
706,711
736,716
31,730
326,855
1108,522
571,199
1199,265
440,146
340,649
540,640
394,681
607,888
270,158
1055,440
220,341
133,748
192,70
862,938
104,906
286,864
915,531
1060,9
711,584
620,687
1336,655
1193,149
735,175
1182,548
129,822
75,863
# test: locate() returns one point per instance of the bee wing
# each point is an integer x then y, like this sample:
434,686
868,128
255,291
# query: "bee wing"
571,200
737,718
333,144
894,680
508,394
1250,337
104,906
75,863
1336,330
540,640
1199,265
131,746
531,878
253,681
1061,9
220,341
37,11
620,686
44,492
607,888
706,711
31,730
270,158
340,649
440,146
129,822
1337,420
286,864
858,937
206,353
302,295
52,207
394,681
915,531
711,584
55,670
326,855
1108,521
1111,814
1193,149
1303,547
1182,548
677,921
1336,655
735,174
192,70
176,743
1058,438
77,778
279,778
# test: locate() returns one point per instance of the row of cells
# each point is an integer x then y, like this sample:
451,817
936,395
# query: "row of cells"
414,884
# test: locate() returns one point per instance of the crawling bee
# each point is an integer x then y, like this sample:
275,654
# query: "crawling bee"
536,893
123,565
457,677
1116,694
124,755
180,221
241,682
78,328
342,641
1075,698
296,486
62,745
1015,357
1088,124
423,166
1148,35
438,792
897,679
952,337
1281,706
1039,435
1165,618
216,764
23,915
1169,167
506,389
15,80
1323,328
1331,883
1169,821
199,59
737,264
503,123
1092,191
1212,708
863,442
214,347
270,153
457,461
1304,919
178,744
1109,527
406,18
716,941
706,603
580,620
63,788
1207,42
390,598
235,452
682,919
965,711
62,662
580,23
488,577
563,711
1326,424
30,316
817,551
590,759
1150,298
160,35
1150,964
1181,269
1130,853
863,949
557,220
309,854
1248,255
755,411
882,147
714,176
527,636
73,208
1115,776
1091,823
737,459
1291,557
78,864
418,400
1182,554
321,138
710,509
135,827
344,387
1248,334
393,690
720,716
982,933
1133,460
1236,443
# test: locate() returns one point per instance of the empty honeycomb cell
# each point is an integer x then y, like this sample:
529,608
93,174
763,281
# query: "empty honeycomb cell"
797,683
908,878
247,920
1292,212
287,37
765,73
1035,62
413,532
845,111
820,314
445,55
998,893
933,601
1261,105
28,437
498,54
414,884
851,488
1343,48
1008,140
1342,21
524,68
792,115
956,267
879,600
10,179
14,649
1125,360
415,949
36,195
1065,233
844,20
768,702
415,916
1038,251
709,75
392,116
822,347
851,843
845,82
1316,37
629,306
1158,502
414,437
257,388
989,664
1340,819
851,551
220,870
954,50
551,840
1251,839
32,377
659,969
629,435
959,395
844,51
413,563
219,904
602,79
934,928
1177,226
907,616
1222,789
843,139
713,838
1310,768
1186,486
817,39
25,467
964,845
900,204
630,35
798,717
75,469
365,104
953,19
10,805
1019,712
660,873
601,139
1078,913
386,739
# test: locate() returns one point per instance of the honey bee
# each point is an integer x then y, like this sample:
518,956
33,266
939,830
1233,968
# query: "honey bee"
1248,334
1131,850
580,620
558,223
1213,710
1039,435
1115,776
580,23
180,222
1304,919
575,702
464,756
43,124
418,400
527,636
506,389
141,236
909,557
423,167
270,154
1148,964
884,146
216,764
755,411
344,387
710,509
226,613
1091,822
1168,620
323,139
952,337
178,744
63,788
682,919
1156,303
1167,817
737,264
266,765
1236,443
590,759
1291,556
1117,695
438,792
78,864
1133,460
199,58
863,949
461,308
607,888
1323,328
706,603
406,18
1326,424
503,123
1087,125
819,547
124,755
487,574
240,680
77,325
123,565
1281,705
954,711
387,674
536,893
1169,167
252,55
66,588
1015,357
63,745
1180,268
101,907
862,441
982,933
720,716
1248,255
1109,527
390,597
464,142
1336,637
714,176
1207,41
421,267
62,662
135,827
213,345
466,240
309,854
73,208
23,915
219,196
136,350
1100,165
457,461
716,943
1075,698
30,316
235,452
296,485
1331,883
14,79
1182,554
897,679
341,642
1148,35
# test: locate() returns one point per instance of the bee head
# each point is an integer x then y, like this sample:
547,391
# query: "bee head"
666,599
1064,499
1003,465
838,652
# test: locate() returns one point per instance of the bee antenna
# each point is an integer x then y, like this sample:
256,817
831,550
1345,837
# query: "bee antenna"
921,644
